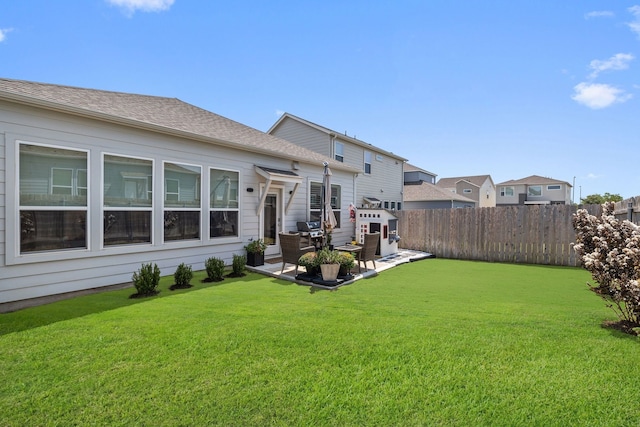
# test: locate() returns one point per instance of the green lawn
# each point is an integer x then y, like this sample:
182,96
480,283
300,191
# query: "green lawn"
434,342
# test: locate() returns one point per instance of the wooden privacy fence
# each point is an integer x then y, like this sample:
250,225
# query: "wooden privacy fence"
530,234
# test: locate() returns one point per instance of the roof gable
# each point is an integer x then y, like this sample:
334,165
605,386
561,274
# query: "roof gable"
344,137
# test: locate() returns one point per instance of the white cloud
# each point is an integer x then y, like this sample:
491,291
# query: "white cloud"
130,6
597,96
619,61
635,25
279,113
599,14
3,33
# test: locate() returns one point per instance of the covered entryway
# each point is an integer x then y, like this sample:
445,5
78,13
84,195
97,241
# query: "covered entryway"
272,208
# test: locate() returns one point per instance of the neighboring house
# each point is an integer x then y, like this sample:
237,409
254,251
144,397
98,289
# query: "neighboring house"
479,188
534,190
420,192
414,174
422,195
381,179
95,183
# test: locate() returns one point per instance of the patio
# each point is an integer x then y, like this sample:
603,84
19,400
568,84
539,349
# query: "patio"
273,266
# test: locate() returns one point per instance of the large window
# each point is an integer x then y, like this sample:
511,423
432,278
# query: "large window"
223,205
534,191
182,207
53,198
367,162
127,200
507,191
315,202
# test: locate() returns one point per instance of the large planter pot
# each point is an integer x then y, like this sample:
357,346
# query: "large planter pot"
329,272
255,259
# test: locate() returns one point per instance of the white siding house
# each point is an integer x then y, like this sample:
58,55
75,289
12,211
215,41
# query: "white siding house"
94,183
380,178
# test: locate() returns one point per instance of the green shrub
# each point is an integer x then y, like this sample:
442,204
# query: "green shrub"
238,265
347,260
146,279
215,269
309,260
183,275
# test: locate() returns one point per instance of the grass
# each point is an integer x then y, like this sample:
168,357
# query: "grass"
435,342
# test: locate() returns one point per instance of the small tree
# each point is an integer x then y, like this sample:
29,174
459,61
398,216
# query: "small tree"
215,269
146,280
182,277
238,265
610,250
598,199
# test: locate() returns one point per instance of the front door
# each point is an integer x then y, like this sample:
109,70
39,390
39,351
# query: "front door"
272,221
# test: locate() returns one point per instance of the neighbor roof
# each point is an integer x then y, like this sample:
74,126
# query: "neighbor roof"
534,180
333,132
476,180
432,193
159,114
408,167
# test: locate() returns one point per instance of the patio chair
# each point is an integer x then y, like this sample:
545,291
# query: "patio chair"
291,250
369,248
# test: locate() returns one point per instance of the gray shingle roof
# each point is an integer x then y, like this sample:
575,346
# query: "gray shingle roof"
430,192
160,114
533,180
476,180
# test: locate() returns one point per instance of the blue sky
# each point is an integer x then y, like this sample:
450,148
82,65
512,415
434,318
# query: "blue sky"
507,88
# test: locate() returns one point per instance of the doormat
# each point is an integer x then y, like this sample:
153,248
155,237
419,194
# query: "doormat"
273,260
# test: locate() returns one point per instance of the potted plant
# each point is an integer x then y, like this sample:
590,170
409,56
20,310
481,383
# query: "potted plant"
347,262
329,264
255,252
311,264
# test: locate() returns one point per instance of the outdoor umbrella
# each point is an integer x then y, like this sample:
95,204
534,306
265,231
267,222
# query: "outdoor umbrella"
328,217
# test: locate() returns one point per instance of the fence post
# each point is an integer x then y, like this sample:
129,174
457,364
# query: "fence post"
630,211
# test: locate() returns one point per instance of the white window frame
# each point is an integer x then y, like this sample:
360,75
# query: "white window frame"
210,208
334,201
338,151
148,183
367,162
13,235
554,187
197,197
531,187
505,189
